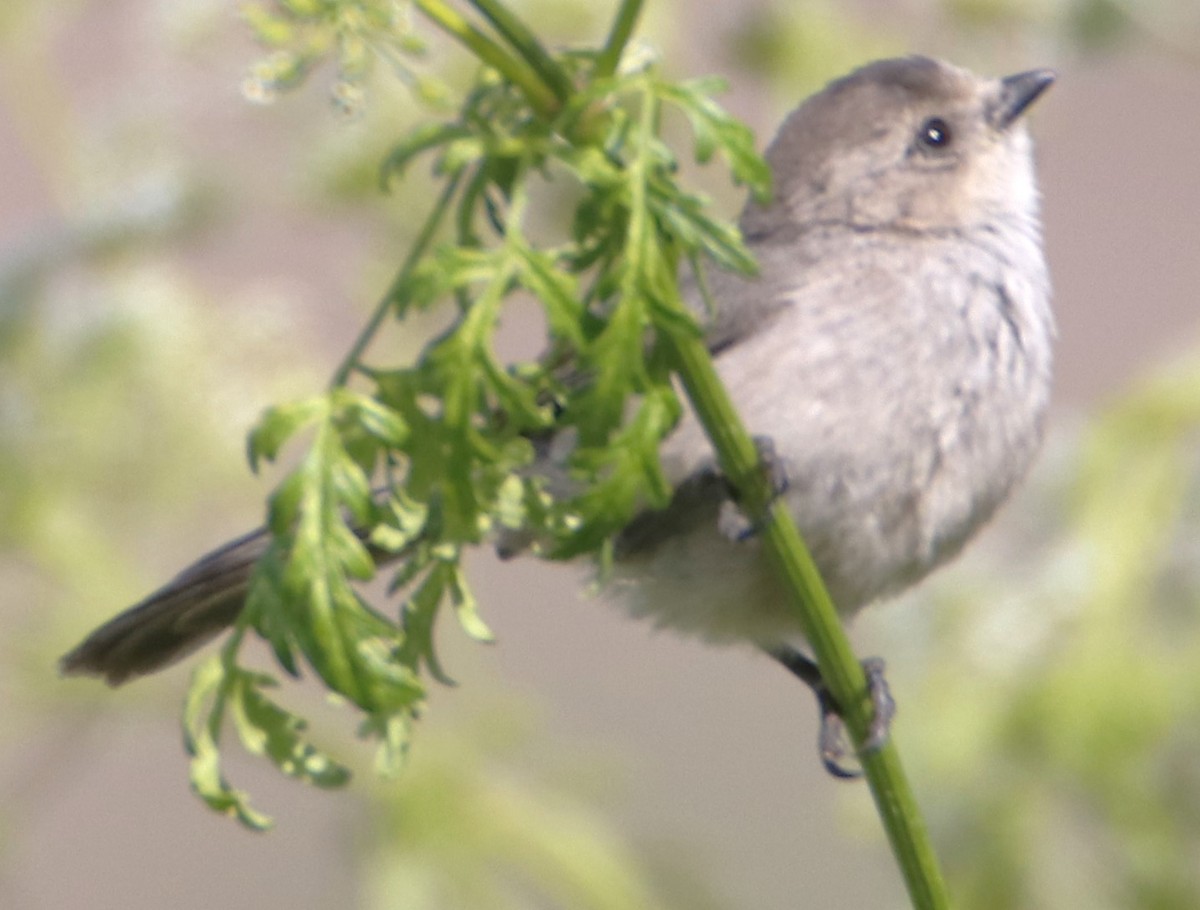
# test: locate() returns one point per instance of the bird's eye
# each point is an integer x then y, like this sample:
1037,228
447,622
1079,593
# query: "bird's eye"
935,133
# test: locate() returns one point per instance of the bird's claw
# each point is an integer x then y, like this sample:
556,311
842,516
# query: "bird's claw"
732,521
832,742
772,466
883,706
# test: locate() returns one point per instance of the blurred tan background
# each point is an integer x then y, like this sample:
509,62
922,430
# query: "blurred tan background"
173,259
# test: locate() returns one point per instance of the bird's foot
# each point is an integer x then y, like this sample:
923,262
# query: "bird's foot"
732,522
832,742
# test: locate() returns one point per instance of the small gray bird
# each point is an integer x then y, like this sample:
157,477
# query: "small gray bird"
894,349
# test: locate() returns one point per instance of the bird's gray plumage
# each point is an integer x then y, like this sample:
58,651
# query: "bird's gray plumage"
895,348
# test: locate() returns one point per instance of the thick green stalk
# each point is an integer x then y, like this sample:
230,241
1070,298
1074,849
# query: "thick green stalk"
839,667
527,45
515,69
618,37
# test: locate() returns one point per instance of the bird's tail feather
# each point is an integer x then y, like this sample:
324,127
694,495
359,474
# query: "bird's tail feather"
196,605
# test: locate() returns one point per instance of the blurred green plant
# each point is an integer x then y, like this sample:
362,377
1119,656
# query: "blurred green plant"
353,36
475,826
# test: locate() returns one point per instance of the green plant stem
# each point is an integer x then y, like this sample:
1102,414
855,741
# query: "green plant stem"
839,667
527,45
618,37
516,70
391,295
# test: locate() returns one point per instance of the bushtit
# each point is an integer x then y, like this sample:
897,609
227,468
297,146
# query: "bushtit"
895,350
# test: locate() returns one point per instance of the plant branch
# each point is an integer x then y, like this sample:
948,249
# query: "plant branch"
516,70
618,37
527,45
389,298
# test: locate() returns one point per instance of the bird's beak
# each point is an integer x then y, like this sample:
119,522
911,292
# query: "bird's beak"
1017,93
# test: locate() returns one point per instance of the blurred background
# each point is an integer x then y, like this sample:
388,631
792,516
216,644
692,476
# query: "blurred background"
174,258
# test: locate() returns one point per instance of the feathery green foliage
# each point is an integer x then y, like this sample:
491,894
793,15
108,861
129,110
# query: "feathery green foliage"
454,435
